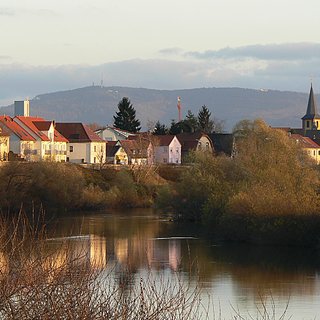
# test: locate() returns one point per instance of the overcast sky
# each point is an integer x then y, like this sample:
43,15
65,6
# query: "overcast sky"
62,44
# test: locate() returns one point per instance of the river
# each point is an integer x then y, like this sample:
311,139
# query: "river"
232,276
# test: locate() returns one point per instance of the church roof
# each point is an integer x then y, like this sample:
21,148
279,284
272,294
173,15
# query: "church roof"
312,111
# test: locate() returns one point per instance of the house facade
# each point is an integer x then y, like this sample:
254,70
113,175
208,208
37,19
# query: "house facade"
308,145
49,144
84,145
21,144
4,145
197,141
116,153
139,152
167,150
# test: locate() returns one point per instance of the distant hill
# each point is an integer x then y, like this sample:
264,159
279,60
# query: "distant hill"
99,104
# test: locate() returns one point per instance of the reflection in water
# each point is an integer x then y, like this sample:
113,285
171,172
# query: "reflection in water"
240,275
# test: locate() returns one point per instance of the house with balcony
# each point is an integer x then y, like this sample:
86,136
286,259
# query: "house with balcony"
22,145
84,145
50,145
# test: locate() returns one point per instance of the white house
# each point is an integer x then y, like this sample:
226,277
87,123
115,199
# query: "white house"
84,145
21,143
49,143
167,149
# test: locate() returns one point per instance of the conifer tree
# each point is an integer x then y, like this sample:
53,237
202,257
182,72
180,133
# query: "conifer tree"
160,129
191,121
125,118
205,123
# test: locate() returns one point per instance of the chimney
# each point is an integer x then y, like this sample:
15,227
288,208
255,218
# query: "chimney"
22,108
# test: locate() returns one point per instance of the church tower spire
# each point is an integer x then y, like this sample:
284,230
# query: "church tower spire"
311,120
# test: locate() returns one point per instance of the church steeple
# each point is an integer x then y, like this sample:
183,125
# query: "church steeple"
311,120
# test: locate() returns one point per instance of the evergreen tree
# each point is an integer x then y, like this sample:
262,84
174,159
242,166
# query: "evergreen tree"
205,123
180,127
125,118
175,127
160,129
191,121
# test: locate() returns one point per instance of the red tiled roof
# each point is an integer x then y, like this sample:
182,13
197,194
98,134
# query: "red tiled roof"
42,125
59,137
135,149
77,132
112,143
305,142
29,122
16,128
164,140
37,125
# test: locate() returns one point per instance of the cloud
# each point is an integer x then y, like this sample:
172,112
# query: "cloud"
286,51
3,57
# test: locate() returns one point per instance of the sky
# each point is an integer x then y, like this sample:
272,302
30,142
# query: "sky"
56,45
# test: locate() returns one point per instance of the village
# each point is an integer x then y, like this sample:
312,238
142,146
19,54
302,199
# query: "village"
27,138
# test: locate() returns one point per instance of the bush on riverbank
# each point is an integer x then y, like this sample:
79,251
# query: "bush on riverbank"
268,190
66,186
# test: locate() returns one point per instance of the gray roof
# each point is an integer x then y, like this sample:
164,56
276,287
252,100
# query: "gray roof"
223,143
312,111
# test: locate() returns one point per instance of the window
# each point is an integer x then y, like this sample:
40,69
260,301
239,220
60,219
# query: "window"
94,160
95,149
164,160
71,148
314,152
308,124
171,150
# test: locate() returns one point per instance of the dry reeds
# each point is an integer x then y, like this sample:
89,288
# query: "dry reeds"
41,282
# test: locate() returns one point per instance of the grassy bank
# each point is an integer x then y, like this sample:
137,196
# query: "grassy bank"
61,186
268,193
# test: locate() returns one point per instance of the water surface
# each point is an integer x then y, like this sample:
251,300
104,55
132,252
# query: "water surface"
236,277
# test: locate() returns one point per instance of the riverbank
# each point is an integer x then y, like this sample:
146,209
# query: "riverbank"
267,194
64,187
